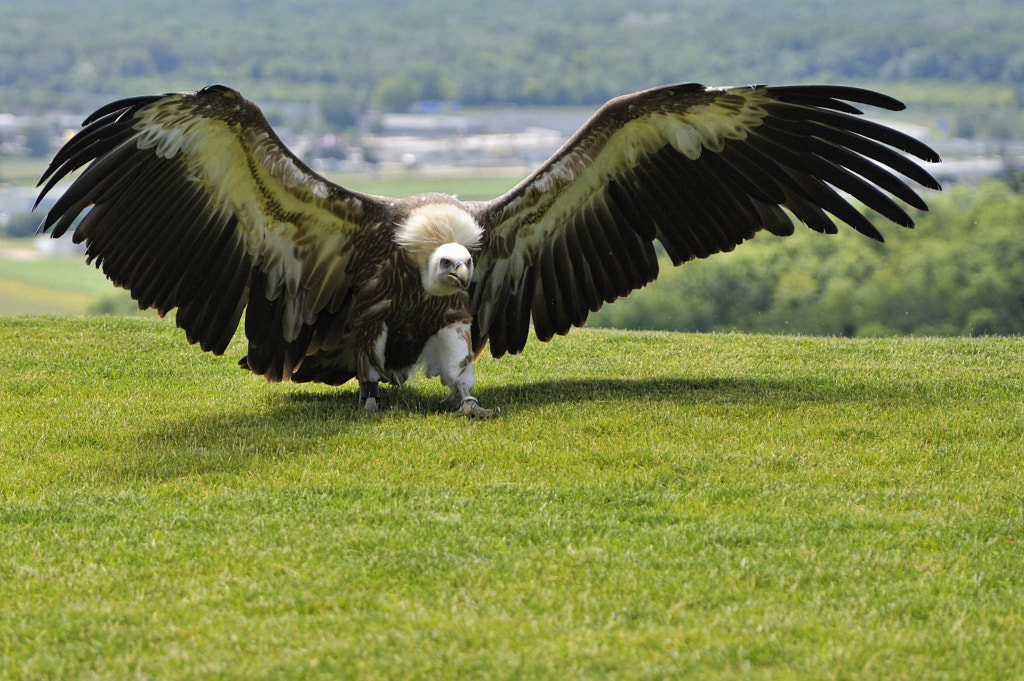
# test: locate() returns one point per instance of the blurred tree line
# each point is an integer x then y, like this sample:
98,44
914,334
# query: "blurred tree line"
347,56
959,272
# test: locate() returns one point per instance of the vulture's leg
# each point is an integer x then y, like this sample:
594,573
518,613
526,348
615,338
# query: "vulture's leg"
449,354
369,382
369,395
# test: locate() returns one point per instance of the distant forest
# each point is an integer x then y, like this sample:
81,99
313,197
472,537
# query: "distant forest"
959,273
346,56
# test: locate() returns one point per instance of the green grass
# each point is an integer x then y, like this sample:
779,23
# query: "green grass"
649,506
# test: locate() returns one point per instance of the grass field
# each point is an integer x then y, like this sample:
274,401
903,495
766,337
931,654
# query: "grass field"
648,506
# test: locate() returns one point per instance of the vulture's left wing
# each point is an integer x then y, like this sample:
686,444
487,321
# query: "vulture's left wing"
196,204
699,170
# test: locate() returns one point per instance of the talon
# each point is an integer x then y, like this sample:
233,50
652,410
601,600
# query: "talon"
471,409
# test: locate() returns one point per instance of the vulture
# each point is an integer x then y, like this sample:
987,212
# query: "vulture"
191,201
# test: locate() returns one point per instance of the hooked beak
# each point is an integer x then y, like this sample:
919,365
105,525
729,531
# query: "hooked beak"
460,275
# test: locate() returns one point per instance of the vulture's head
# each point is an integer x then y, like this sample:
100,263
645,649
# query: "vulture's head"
438,238
449,270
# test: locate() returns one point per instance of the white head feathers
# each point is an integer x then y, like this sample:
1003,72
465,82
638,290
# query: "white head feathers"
434,225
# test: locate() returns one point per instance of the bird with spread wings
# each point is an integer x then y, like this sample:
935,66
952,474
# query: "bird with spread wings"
191,201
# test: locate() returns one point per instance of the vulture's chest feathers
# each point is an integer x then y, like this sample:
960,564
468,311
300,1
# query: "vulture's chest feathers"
391,306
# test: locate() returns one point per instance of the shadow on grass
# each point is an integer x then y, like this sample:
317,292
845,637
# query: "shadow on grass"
725,391
325,412
298,423
526,396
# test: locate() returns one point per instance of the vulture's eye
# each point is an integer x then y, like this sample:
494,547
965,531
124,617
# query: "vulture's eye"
446,263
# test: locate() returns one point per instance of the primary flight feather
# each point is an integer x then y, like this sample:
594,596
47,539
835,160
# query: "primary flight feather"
197,205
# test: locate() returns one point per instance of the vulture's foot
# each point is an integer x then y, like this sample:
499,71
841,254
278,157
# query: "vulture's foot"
471,409
369,394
